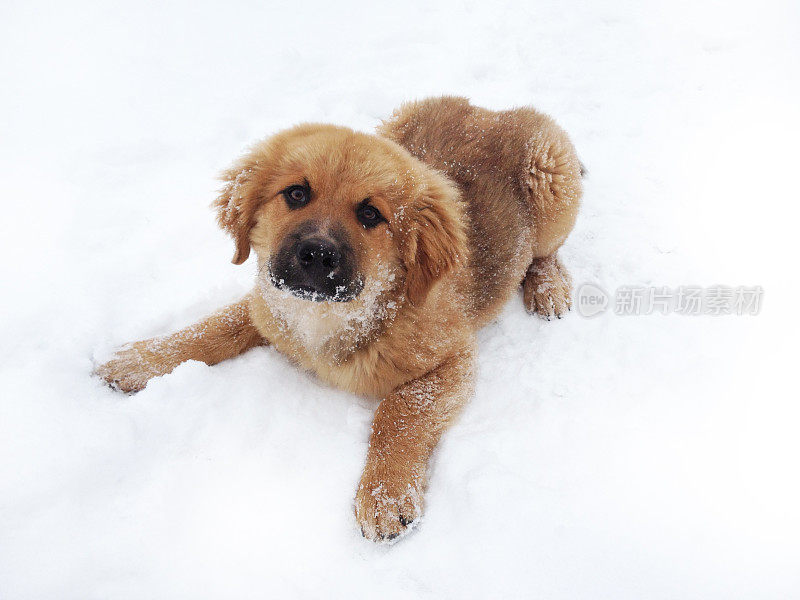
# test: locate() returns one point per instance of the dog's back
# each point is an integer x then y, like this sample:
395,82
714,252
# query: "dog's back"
518,174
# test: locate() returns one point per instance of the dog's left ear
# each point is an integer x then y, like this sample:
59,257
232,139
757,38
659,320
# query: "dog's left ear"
237,203
436,239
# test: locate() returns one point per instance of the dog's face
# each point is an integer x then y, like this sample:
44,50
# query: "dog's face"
337,216
323,232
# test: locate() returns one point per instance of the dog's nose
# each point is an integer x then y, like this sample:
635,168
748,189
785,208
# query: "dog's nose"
318,256
316,266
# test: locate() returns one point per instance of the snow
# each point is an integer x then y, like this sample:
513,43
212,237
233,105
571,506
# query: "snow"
613,457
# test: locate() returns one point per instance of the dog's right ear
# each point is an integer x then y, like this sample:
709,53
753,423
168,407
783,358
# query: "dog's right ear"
237,203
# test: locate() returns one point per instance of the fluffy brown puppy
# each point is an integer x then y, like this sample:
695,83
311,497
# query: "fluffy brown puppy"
379,258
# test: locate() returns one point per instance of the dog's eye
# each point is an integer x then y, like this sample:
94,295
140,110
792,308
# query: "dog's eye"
368,215
297,196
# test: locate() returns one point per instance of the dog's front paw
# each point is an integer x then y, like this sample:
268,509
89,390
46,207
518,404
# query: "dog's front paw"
388,506
130,369
547,288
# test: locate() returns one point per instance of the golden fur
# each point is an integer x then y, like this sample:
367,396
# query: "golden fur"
475,201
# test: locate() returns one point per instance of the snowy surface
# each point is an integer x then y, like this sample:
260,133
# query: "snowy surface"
615,457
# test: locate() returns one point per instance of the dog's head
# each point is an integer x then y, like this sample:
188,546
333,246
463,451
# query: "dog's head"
331,212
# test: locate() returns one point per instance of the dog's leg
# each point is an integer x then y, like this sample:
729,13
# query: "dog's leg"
555,188
547,288
225,334
407,426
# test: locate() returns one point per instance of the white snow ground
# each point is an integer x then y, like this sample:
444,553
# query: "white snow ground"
616,457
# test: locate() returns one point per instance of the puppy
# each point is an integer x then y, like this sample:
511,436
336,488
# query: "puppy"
379,257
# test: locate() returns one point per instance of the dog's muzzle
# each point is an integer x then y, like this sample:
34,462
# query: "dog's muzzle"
316,266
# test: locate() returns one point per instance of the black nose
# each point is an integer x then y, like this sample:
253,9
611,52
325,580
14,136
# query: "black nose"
317,255
316,265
